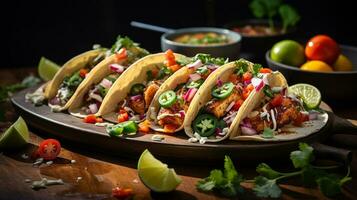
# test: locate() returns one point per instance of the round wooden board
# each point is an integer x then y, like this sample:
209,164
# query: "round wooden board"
175,147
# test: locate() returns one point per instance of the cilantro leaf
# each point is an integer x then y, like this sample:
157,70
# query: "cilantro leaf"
227,182
289,16
268,133
208,59
265,8
241,67
265,188
266,171
329,185
267,91
256,69
302,158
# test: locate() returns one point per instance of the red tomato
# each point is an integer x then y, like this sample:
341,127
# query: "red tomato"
91,119
277,100
83,72
250,87
122,54
49,149
122,193
144,126
246,94
123,116
238,104
170,58
265,70
175,67
247,76
323,48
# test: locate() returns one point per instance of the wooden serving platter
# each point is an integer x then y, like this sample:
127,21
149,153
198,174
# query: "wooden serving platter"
175,147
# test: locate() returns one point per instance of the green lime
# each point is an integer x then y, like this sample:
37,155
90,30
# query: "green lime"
288,52
155,174
15,136
309,94
47,69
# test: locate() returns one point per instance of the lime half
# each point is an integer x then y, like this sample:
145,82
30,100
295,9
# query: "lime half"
309,94
156,175
15,136
47,69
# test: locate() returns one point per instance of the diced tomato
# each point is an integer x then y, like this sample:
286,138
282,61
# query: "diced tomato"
91,119
246,94
277,100
238,104
83,72
144,126
170,128
122,193
123,116
265,70
300,119
250,87
49,149
170,58
175,67
247,76
99,120
122,54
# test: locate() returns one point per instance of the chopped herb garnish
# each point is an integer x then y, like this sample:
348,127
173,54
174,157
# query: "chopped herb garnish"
267,91
268,133
241,67
149,75
256,69
6,91
207,59
163,72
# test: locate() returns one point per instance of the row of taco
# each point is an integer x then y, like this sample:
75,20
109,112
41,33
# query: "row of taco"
210,98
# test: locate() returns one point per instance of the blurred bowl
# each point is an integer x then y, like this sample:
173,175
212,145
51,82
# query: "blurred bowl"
264,42
335,86
230,50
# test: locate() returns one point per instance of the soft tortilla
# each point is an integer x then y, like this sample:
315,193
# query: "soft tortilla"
136,73
289,132
69,68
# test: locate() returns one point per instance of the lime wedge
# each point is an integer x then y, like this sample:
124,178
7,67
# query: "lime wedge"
15,136
309,94
155,174
47,69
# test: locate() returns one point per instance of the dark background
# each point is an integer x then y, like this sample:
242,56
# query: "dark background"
61,29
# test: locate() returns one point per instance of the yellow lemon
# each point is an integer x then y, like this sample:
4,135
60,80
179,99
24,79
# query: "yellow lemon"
342,63
316,65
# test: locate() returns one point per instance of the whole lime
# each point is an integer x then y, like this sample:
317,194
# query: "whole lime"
288,52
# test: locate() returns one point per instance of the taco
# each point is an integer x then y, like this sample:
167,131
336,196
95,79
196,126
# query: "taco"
221,99
131,95
61,88
91,92
171,102
275,115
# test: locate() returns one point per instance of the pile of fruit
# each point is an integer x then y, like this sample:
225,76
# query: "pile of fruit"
321,53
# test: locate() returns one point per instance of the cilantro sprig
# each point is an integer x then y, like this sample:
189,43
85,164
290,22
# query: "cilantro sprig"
270,8
208,59
266,185
6,91
226,182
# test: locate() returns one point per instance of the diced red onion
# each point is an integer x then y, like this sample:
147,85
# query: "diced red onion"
219,82
248,131
142,116
190,94
230,106
182,113
313,115
239,86
257,83
265,79
106,83
93,108
247,82
284,91
246,123
117,68
195,77
55,101
195,65
212,67
219,132
136,97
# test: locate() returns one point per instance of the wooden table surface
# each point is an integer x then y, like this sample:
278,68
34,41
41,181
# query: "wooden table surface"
94,174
